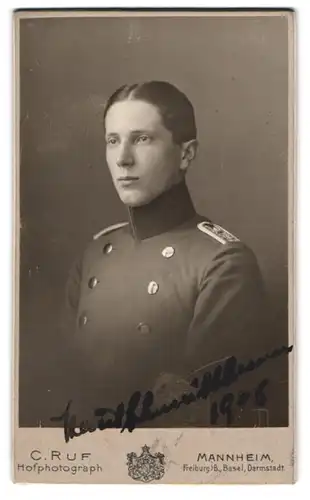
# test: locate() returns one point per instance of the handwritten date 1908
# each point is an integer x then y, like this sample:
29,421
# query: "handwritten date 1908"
229,402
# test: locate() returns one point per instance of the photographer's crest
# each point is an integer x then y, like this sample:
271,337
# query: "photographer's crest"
146,467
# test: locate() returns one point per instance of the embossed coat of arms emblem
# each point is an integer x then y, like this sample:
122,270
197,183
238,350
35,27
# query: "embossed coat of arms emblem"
146,467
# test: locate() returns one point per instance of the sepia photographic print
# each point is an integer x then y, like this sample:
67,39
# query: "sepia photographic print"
154,246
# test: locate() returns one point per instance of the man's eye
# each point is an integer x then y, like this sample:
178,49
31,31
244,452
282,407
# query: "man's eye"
143,139
111,140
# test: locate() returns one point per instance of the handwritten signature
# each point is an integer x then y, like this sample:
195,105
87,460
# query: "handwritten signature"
127,418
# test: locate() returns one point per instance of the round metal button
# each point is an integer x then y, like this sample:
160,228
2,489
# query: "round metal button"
107,248
93,282
82,320
168,252
144,328
152,287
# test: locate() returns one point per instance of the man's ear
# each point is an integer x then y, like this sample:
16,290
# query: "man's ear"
188,153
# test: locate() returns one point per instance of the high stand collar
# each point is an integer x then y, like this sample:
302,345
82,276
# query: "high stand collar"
172,208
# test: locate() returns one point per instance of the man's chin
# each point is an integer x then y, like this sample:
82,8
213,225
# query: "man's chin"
134,199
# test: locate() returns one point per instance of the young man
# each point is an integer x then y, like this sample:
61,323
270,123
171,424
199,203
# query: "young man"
167,295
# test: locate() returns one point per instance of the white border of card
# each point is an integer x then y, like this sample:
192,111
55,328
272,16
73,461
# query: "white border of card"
158,456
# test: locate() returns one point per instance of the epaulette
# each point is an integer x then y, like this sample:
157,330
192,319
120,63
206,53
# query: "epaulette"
109,229
217,232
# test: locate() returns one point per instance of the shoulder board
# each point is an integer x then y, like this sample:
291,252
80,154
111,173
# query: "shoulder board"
217,232
109,229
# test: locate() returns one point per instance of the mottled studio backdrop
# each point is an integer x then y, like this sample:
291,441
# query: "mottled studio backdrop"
235,73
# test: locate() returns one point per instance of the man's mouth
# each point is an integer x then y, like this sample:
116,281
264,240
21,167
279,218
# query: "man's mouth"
127,179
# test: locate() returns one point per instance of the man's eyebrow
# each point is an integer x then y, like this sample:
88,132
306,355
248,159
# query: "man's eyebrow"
141,131
133,132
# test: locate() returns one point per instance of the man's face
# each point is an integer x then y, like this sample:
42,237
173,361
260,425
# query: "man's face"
141,155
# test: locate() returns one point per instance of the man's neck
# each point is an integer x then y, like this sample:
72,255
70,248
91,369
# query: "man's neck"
172,208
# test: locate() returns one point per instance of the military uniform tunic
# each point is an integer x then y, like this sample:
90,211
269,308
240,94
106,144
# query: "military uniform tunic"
167,292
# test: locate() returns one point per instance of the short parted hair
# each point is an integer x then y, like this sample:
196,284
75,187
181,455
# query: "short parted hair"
175,108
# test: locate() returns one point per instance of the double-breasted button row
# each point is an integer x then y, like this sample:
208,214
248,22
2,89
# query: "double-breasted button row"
93,281
152,287
167,252
142,327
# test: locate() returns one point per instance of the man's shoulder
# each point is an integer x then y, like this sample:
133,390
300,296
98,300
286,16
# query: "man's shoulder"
109,229
212,248
207,233
216,232
105,240
206,240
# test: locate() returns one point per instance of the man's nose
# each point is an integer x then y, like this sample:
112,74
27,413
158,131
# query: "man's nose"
125,157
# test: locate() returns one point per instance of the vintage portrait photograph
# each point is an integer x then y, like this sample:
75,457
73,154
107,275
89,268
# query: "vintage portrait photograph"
154,237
